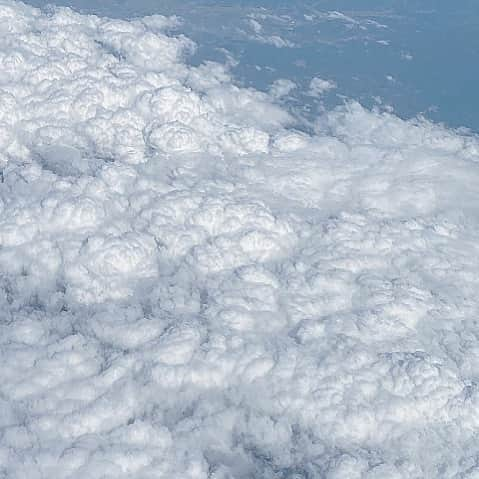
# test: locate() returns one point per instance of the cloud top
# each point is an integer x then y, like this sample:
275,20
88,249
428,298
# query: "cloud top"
191,288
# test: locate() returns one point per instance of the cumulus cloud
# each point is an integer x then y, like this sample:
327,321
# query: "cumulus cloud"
268,39
191,288
282,87
319,86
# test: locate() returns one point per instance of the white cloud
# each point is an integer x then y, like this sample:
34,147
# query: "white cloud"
282,87
191,288
259,36
318,86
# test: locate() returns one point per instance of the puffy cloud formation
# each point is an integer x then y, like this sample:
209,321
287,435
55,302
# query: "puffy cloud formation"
190,288
258,34
319,87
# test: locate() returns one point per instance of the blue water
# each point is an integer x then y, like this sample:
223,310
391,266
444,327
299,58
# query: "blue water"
416,56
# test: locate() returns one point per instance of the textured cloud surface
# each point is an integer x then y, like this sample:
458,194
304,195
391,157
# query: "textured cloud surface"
190,288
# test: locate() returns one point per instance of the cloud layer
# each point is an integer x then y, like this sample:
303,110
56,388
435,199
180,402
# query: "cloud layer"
191,288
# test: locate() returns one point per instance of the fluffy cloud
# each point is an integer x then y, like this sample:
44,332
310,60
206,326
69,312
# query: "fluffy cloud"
318,86
190,288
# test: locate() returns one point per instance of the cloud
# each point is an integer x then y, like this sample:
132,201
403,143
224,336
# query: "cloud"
189,287
282,87
259,36
318,87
